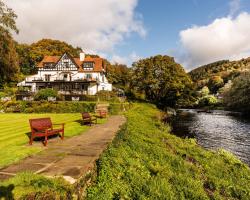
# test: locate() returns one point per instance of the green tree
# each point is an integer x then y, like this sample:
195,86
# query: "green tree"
205,91
162,80
237,97
118,74
208,100
9,67
26,63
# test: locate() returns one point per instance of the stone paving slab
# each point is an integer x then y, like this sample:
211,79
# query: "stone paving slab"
72,157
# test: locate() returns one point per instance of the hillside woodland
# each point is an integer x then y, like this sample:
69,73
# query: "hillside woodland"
216,75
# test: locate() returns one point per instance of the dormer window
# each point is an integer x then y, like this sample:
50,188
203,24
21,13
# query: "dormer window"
48,65
88,65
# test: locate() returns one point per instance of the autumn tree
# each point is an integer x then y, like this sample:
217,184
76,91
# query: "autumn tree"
31,55
49,47
118,74
9,67
215,83
162,80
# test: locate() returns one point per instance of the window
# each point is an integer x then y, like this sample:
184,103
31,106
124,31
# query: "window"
88,76
47,77
88,66
48,65
66,64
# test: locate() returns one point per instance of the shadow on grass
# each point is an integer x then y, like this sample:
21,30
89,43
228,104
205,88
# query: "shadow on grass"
6,192
40,139
85,123
28,134
79,121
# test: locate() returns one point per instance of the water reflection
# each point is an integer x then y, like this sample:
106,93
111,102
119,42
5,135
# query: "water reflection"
216,130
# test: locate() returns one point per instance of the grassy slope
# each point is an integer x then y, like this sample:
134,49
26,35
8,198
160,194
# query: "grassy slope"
13,129
32,186
146,162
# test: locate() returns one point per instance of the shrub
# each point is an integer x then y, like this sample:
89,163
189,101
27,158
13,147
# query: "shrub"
209,100
107,96
43,94
2,94
59,107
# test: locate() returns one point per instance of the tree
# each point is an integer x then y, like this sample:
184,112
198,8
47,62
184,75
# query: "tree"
205,91
208,100
162,80
9,68
49,47
31,55
237,97
215,83
118,74
26,63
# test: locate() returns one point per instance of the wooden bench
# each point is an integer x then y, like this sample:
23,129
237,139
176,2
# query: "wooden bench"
43,127
102,113
88,119
101,110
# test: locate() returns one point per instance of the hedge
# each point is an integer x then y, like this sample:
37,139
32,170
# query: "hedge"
58,107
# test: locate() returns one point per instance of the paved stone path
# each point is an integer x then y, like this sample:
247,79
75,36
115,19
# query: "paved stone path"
72,157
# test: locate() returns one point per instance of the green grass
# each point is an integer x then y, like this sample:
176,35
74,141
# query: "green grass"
13,129
31,186
146,162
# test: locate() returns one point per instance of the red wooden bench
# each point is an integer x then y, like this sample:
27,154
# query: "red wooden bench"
88,119
43,127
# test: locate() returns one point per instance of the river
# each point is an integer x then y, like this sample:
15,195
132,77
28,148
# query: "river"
218,129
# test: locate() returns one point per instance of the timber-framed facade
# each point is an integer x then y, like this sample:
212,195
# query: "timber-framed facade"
68,75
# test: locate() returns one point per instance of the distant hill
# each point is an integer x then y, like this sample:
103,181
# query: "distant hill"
224,69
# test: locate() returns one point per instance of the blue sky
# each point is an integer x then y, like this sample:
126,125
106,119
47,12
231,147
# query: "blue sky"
164,19
195,32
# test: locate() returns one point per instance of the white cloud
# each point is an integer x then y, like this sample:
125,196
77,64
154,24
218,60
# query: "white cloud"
96,25
119,59
234,7
133,57
224,38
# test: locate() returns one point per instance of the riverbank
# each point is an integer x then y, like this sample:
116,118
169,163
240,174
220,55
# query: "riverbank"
146,162
216,129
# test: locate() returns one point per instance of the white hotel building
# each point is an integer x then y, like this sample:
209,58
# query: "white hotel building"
68,75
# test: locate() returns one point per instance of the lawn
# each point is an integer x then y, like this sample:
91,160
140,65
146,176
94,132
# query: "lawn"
14,127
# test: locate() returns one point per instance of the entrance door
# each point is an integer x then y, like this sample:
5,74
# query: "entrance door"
65,77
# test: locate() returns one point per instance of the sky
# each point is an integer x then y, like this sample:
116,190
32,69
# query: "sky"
195,32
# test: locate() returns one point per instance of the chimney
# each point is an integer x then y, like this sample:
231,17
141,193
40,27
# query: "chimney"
82,56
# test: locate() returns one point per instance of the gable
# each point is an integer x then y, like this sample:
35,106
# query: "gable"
66,63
